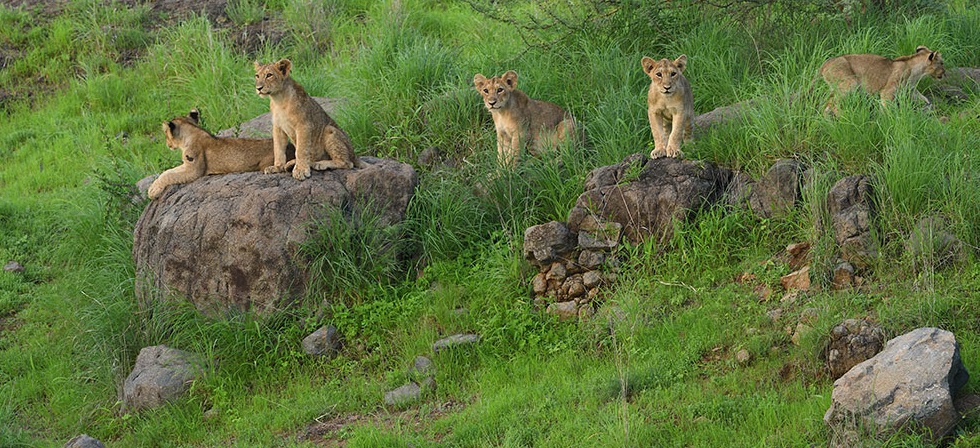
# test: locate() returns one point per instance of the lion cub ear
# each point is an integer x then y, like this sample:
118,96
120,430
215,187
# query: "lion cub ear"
681,62
284,66
194,115
479,80
510,78
647,63
168,128
922,48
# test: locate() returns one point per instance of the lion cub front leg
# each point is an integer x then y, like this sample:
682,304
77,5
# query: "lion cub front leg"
659,135
181,174
508,148
678,132
280,140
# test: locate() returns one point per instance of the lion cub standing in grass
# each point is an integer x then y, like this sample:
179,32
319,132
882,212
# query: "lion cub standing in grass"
320,143
669,99
520,120
203,153
880,75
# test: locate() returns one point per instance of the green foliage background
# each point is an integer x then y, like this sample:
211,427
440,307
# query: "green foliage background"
85,88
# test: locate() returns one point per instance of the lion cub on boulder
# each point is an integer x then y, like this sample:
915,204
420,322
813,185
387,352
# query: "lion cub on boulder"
203,153
880,75
320,143
521,121
669,100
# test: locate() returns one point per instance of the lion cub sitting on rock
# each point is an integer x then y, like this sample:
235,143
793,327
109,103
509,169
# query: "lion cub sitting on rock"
203,153
520,120
880,75
320,143
669,100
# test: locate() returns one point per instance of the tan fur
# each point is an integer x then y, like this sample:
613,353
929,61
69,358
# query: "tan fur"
203,153
320,143
521,121
879,75
669,102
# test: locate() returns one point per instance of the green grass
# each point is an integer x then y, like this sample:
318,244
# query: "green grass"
91,85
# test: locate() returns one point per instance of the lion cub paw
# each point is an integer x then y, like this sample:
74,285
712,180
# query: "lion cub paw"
658,153
301,173
274,169
674,152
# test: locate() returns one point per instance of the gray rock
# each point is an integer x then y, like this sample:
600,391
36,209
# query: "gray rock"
720,115
454,341
646,196
589,259
423,366
851,214
852,342
772,195
908,386
933,244
403,395
323,342
161,374
844,275
546,242
84,441
564,310
592,279
13,266
231,242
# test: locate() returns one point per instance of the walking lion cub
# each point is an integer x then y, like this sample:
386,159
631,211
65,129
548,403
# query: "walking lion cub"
879,75
669,100
521,121
203,154
320,143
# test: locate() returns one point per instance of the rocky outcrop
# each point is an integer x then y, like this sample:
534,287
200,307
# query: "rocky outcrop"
229,243
851,214
852,342
778,191
908,386
161,374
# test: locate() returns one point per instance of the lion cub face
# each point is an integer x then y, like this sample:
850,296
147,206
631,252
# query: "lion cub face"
936,68
269,77
496,91
179,129
665,74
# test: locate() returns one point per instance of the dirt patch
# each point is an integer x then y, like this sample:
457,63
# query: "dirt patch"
331,431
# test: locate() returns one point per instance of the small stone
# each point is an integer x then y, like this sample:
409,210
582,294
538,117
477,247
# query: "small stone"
574,287
591,279
557,272
13,266
843,276
403,395
564,310
540,284
809,316
589,259
798,253
775,314
323,342
586,312
423,366
455,340
801,330
799,280
84,441
743,356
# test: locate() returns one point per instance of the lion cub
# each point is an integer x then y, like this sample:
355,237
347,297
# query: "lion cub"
669,100
320,143
521,121
203,153
880,75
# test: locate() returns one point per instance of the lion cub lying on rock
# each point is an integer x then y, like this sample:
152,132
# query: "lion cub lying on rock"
880,75
203,153
320,143
669,100
520,120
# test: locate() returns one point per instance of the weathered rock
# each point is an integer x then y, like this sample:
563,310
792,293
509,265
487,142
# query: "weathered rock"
564,310
230,242
403,395
907,386
13,266
323,342
589,259
540,283
423,366
596,234
161,374
592,279
779,190
84,441
456,340
851,212
743,356
558,272
261,126
852,342
799,280
932,243
955,86
546,242
720,115
844,275
575,287
645,196
799,254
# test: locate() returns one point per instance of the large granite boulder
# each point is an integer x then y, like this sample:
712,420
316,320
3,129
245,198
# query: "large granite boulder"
908,386
161,374
230,242
645,196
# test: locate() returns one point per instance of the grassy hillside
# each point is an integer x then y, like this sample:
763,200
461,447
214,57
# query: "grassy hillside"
85,85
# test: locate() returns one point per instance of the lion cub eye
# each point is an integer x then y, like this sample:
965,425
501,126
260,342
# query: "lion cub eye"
660,75
673,73
486,90
500,89
268,75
